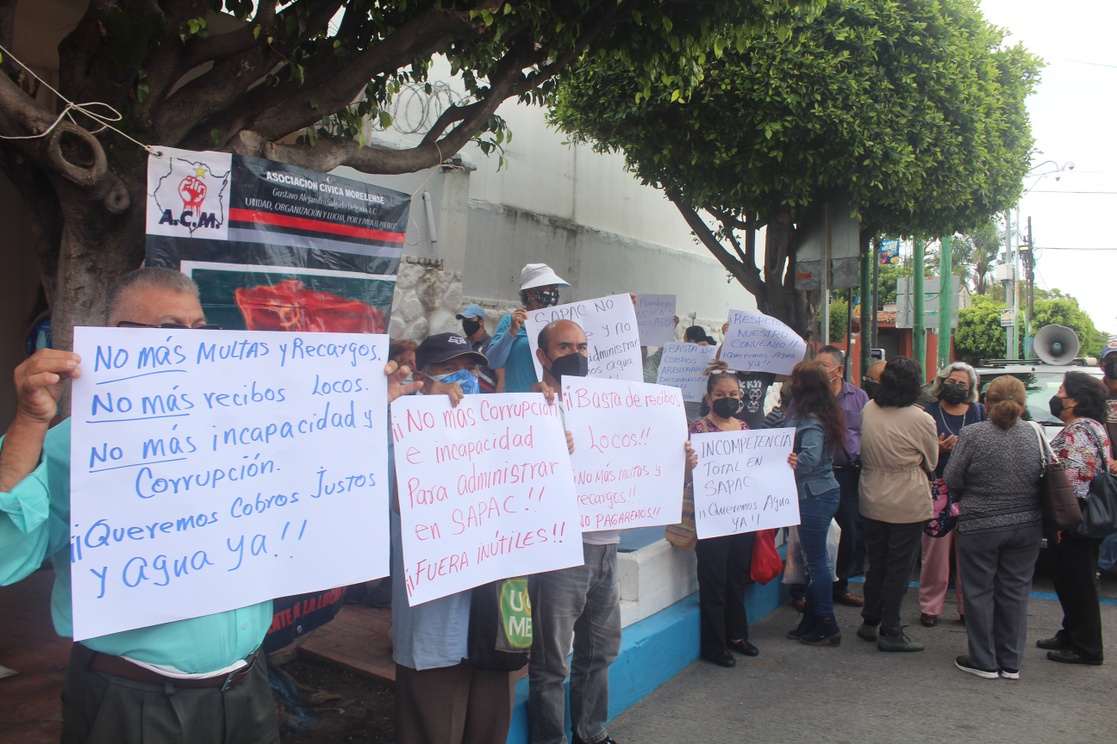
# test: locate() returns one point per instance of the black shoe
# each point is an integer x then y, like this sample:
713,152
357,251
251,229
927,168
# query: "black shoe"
1054,643
928,620
724,659
1070,656
825,633
606,740
806,625
867,633
897,641
745,648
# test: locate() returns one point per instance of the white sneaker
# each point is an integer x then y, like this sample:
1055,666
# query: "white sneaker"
963,663
1010,673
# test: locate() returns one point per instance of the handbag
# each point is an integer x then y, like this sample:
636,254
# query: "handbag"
1099,510
683,535
500,630
1060,507
766,562
945,508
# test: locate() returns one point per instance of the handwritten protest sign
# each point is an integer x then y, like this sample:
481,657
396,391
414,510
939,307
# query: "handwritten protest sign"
682,366
629,451
655,316
485,491
759,343
742,482
610,327
211,470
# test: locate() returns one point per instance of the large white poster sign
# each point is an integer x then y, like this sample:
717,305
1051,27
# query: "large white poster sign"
682,366
610,327
759,343
743,483
655,316
629,451
211,470
485,491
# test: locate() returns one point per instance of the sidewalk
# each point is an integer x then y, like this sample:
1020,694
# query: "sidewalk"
856,694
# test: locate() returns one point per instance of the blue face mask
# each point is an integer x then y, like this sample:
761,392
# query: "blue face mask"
466,380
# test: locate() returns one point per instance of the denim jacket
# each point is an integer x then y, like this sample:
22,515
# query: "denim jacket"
814,475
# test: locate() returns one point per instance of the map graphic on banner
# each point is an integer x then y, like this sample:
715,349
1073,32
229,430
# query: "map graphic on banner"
212,470
275,247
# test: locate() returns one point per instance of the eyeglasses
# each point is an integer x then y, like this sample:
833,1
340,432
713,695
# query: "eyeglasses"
169,326
955,383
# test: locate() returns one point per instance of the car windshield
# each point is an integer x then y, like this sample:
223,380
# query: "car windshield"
1041,384
1040,387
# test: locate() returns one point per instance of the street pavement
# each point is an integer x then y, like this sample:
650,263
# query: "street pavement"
857,694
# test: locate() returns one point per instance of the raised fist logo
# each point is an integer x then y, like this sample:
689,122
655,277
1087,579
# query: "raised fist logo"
193,193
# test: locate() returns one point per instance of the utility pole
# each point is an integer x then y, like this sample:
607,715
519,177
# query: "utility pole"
868,304
946,291
1010,289
824,313
918,330
1029,258
875,342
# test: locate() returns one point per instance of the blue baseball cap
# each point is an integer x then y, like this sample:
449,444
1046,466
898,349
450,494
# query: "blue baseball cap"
472,311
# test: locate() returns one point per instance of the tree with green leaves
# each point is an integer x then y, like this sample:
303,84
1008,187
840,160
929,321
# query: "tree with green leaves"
914,110
981,336
290,80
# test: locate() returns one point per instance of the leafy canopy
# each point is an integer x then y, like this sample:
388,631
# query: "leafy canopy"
914,107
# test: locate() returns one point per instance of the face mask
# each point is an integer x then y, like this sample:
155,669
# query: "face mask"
1055,405
546,297
466,380
1110,367
954,394
726,407
574,365
470,326
871,388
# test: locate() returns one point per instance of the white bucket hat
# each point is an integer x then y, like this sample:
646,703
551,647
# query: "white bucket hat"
539,275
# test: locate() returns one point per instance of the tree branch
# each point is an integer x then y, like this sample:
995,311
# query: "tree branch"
199,51
228,88
749,277
276,112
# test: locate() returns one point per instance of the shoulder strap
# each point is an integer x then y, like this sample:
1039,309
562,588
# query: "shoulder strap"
1046,454
1093,437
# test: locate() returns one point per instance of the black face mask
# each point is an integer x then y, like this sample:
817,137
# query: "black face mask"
470,326
1110,367
574,365
726,407
871,388
546,297
954,394
1055,405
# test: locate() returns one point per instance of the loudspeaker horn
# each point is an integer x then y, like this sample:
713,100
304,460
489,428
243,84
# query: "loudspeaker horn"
1056,344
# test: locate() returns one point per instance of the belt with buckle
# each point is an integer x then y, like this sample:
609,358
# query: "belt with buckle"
118,666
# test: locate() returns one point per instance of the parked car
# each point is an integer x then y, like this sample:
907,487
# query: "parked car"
1041,381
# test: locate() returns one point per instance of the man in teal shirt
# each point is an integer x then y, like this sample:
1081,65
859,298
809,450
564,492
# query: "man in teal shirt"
197,680
509,350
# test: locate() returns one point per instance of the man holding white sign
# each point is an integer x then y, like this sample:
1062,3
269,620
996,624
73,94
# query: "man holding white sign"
580,603
196,680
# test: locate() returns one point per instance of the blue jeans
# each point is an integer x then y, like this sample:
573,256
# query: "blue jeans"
580,603
815,514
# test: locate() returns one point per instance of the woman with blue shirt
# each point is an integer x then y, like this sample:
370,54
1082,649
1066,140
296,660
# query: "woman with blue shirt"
819,427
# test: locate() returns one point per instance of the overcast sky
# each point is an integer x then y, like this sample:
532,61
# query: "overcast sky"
1074,119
